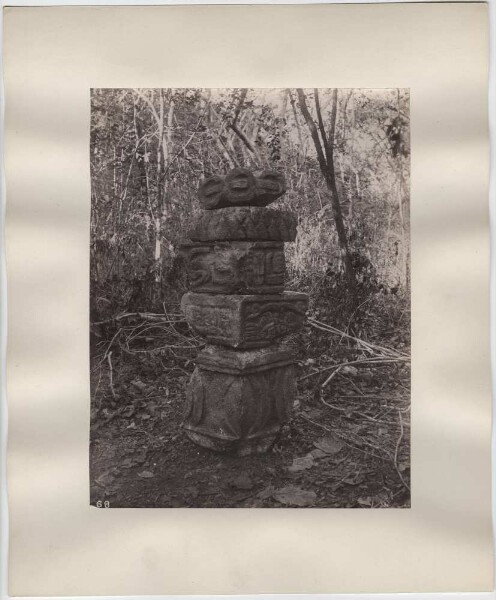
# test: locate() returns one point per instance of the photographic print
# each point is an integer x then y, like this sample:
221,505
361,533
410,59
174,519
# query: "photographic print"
250,298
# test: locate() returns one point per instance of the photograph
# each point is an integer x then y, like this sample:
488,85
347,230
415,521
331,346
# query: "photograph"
250,295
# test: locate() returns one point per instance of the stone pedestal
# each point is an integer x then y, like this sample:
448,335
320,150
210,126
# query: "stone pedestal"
238,401
244,385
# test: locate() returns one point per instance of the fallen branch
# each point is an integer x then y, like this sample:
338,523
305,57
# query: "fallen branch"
329,430
147,316
333,374
111,373
396,453
367,345
348,411
368,361
110,344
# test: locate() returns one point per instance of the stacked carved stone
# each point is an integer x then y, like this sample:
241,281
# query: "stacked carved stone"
243,388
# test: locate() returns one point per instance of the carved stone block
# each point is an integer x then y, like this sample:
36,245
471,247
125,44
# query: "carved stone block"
241,187
236,267
238,401
245,321
250,223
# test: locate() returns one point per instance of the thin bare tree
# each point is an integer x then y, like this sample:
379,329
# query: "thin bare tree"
324,146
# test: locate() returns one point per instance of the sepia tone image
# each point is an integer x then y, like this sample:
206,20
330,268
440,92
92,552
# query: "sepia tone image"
250,298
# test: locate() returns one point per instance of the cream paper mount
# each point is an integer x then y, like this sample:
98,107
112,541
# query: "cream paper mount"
59,545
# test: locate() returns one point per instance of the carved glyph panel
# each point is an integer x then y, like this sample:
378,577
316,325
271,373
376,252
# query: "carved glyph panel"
250,223
245,321
237,267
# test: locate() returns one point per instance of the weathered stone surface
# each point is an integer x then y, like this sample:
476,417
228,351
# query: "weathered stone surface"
245,321
236,267
225,360
243,388
239,401
250,223
241,187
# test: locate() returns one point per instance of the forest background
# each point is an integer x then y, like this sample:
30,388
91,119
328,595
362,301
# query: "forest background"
345,155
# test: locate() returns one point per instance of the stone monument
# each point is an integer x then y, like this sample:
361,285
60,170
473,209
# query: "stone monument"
244,385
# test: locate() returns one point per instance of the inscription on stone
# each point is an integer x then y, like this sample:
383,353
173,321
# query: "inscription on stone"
245,321
272,320
212,322
250,223
236,267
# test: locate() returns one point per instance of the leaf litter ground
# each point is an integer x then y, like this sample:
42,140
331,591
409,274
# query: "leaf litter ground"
346,446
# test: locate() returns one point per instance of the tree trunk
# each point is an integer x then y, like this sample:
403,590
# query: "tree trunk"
325,156
143,179
295,114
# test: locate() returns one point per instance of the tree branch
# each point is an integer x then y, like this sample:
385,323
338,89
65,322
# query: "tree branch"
235,128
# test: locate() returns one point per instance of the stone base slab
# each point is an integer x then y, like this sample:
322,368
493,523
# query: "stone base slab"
225,360
238,401
245,321
235,267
